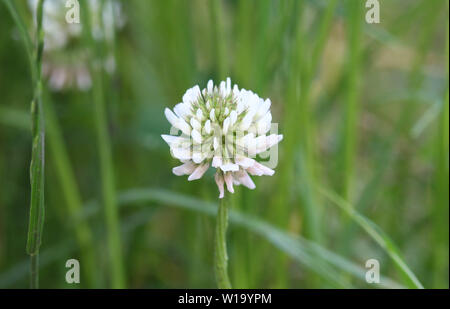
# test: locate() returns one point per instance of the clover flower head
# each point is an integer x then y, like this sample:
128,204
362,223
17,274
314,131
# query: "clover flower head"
222,127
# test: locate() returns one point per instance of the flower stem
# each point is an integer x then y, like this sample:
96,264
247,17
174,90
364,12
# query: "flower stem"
220,254
34,270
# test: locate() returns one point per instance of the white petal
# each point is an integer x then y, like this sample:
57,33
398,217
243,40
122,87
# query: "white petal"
196,136
263,108
197,157
212,115
229,181
245,162
182,110
222,88
199,114
245,179
233,117
263,125
181,153
226,125
171,117
198,172
195,124
228,87
215,143
265,142
229,167
177,140
219,181
217,161
185,169
210,86
264,169
259,170
247,120
178,123
208,126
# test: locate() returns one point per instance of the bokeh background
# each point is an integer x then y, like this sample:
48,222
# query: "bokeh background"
363,167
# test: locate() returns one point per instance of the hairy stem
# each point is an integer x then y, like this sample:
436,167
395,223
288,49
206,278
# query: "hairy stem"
220,254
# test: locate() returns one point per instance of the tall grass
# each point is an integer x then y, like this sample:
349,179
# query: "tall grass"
105,155
37,166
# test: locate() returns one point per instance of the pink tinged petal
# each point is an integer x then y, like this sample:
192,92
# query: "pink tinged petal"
219,181
245,162
196,136
185,169
217,161
198,172
259,170
254,171
245,179
229,167
226,125
229,181
267,171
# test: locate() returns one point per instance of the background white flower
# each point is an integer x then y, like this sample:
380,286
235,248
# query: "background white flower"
65,60
222,127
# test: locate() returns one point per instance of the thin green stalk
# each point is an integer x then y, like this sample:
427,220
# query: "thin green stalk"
349,133
70,191
34,270
220,246
441,202
37,166
106,160
218,38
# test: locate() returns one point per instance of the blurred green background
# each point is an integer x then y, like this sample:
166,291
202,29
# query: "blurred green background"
363,109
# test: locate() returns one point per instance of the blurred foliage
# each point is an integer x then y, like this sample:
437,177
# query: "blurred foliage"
363,109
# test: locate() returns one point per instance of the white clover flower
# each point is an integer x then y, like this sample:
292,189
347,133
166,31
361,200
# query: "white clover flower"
65,60
222,127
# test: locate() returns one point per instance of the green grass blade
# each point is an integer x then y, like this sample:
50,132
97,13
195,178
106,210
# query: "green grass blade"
106,159
376,234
